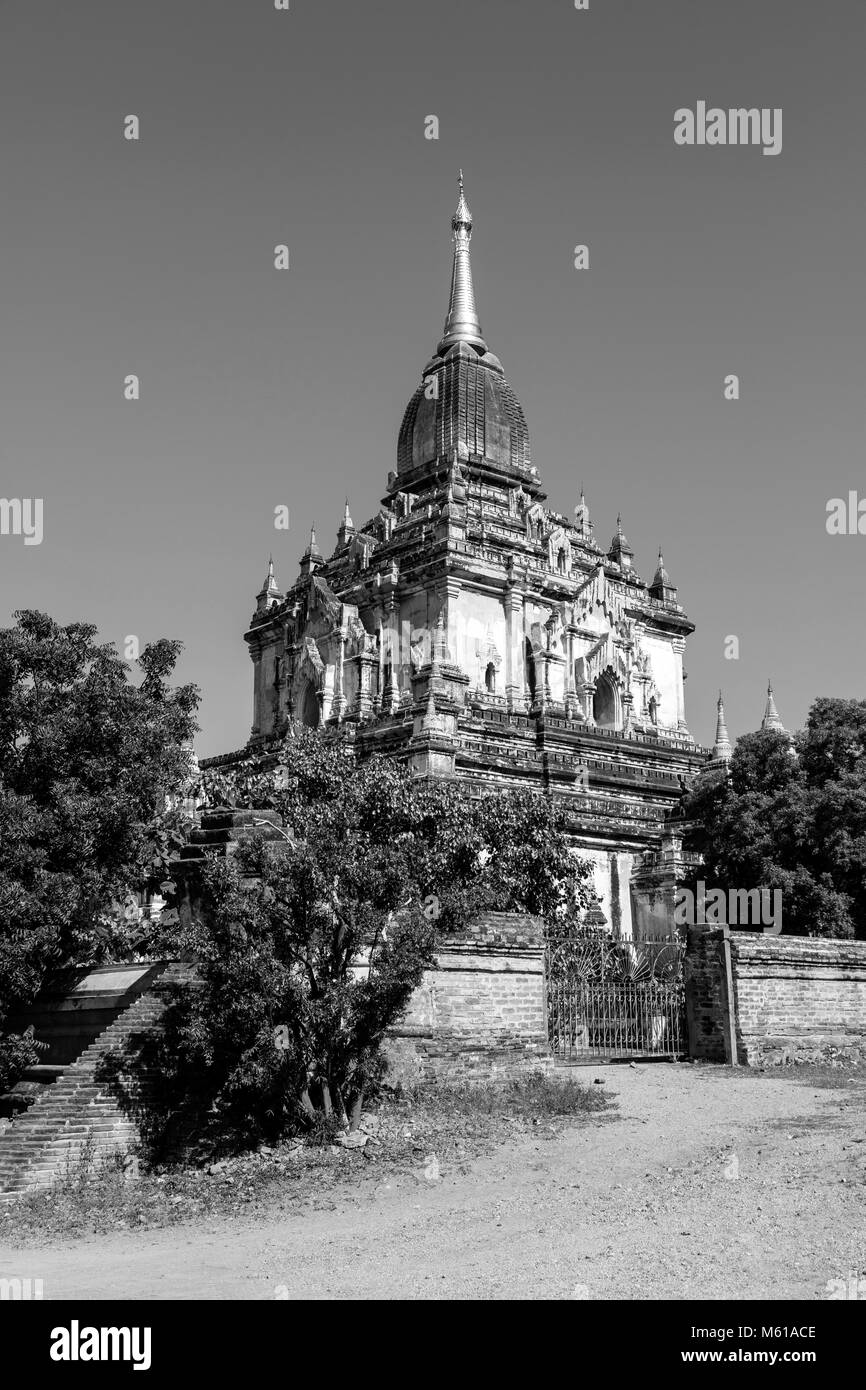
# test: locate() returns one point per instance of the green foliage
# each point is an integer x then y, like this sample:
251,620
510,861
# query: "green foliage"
18,1051
795,823
86,762
328,933
534,1096
500,851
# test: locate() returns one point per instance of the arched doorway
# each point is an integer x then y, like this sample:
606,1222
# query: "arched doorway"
604,703
530,670
490,678
309,706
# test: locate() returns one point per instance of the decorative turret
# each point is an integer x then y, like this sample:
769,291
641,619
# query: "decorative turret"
717,768
772,721
661,587
347,527
771,718
620,550
581,518
269,593
312,556
432,722
722,747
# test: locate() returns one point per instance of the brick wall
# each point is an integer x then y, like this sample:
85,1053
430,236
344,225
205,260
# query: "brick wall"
81,1113
481,1013
799,998
796,998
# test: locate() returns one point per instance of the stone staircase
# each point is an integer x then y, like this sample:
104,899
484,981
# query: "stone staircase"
79,1114
75,1112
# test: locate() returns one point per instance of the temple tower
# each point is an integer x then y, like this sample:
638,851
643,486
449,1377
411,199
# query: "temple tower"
477,633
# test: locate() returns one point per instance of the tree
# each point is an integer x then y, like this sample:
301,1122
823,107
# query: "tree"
309,950
87,760
793,819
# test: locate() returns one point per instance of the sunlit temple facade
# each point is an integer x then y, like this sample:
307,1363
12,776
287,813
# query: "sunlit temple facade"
471,629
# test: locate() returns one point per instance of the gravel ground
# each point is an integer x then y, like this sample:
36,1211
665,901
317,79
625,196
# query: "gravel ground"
705,1183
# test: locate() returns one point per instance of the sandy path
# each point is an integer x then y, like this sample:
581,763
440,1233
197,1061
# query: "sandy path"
649,1205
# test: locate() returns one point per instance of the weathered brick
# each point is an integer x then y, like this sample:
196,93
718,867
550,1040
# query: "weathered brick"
796,998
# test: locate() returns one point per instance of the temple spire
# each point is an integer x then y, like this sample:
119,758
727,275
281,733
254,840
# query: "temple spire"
462,324
270,590
662,586
620,550
771,718
581,516
347,526
722,746
312,556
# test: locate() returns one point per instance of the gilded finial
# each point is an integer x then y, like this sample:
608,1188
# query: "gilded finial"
461,323
462,219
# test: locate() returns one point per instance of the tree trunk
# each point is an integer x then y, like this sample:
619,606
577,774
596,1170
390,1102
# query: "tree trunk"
340,1108
355,1112
308,1105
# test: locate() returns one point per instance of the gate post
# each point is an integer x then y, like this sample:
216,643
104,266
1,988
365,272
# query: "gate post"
729,1015
711,1008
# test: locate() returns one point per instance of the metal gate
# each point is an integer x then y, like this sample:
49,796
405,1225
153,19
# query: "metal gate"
608,999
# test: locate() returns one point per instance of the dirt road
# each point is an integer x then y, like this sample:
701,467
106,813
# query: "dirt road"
707,1184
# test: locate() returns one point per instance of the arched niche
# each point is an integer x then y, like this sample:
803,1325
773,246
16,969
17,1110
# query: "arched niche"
308,706
605,703
530,669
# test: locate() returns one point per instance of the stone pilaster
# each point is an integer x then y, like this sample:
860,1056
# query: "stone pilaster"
678,647
337,700
514,691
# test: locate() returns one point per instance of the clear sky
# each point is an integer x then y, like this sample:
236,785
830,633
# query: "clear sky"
261,387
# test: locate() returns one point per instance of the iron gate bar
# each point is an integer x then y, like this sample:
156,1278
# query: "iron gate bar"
611,999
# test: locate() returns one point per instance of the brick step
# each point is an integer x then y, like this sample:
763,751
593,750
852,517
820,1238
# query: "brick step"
66,1125
78,1110
51,1122
77,1141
